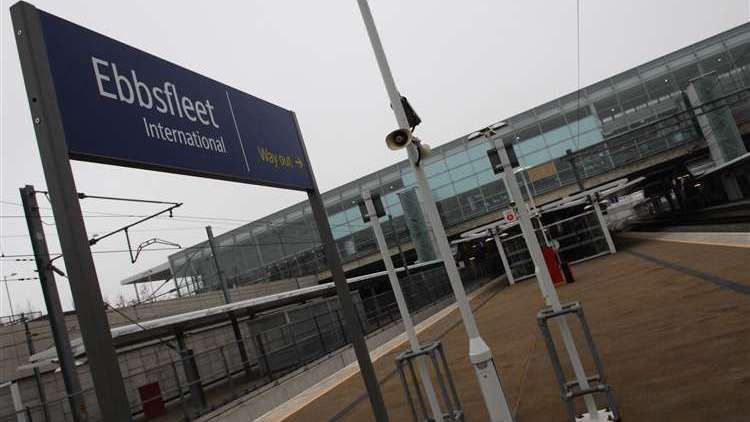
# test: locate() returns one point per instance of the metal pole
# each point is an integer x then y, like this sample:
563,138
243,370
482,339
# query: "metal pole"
38,375
572,160
602,223
542,273
345,299
52,301
228,299
401,253
411,333
84,283
479,353
503,257
219,273
10,301
528,190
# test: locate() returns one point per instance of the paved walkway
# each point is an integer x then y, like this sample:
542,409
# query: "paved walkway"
670,320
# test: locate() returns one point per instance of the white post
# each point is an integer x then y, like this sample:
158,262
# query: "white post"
480,354
411,333
503,257
542,275
528,190
15,396
602,223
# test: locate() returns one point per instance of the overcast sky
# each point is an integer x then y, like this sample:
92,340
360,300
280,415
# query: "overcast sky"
463,64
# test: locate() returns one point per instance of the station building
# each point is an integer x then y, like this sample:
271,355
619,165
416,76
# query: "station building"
682,121
678,125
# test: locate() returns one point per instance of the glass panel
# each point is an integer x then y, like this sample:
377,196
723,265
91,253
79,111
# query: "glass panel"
558,150
390,199
439,180
461,172
457,160
530,145
466,184
536,158
477,151
556,135
528,133
395,210
487,177
660,88
634,97
409,179
435,168
552,123
589,138
607,107
481,165
684,74
443,193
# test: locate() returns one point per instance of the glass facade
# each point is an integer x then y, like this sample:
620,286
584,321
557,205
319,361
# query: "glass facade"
631,116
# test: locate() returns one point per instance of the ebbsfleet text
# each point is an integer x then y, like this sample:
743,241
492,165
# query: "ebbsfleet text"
164,99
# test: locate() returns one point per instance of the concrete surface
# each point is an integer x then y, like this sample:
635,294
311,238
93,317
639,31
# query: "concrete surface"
670,320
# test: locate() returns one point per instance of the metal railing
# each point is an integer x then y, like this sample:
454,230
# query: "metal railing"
184,384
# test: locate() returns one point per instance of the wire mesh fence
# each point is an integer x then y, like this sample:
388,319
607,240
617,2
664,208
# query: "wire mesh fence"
178,379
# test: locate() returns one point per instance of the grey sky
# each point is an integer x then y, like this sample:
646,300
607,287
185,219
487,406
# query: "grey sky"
462,64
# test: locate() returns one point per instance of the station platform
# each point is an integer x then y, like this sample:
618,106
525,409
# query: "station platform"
669,318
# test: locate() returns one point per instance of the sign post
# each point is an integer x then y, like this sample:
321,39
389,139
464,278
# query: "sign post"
96,99
345,299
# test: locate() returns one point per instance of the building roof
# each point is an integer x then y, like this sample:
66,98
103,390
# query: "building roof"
157,273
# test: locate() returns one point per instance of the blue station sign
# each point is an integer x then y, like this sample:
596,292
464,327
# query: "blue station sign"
120,105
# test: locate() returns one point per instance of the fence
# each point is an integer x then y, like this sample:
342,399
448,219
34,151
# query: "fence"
580,237
177,379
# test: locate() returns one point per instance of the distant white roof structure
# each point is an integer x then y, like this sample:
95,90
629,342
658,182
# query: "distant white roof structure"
157,273
728,164
567,202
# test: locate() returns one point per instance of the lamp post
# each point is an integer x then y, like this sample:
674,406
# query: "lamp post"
403,308
480,354
544,279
